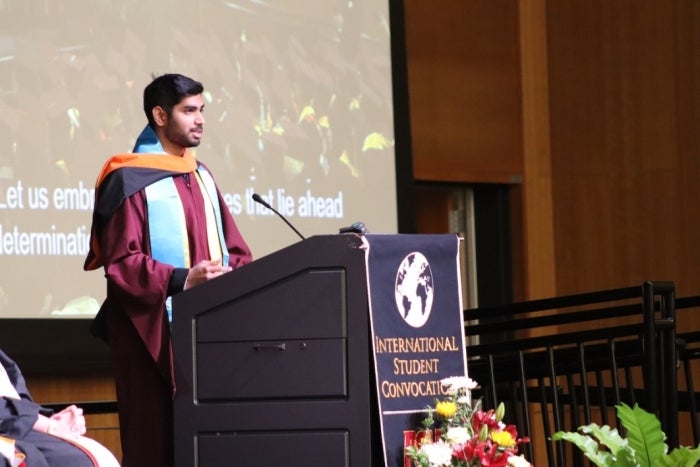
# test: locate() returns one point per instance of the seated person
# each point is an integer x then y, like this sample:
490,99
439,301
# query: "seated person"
46,439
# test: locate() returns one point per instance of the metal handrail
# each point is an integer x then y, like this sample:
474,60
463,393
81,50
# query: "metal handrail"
578,352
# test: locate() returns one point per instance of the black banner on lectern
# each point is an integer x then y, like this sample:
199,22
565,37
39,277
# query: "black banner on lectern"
417,328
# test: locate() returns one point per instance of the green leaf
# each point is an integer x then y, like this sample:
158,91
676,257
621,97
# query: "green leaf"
619,453
608,437
680,457
587,445
643,434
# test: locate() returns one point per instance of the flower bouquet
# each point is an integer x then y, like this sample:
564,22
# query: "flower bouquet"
459,433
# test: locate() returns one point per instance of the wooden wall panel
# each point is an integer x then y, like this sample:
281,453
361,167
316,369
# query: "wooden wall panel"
433,207
533,230
464,90
624,138
687,79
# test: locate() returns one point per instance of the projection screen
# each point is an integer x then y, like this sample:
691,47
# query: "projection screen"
298,102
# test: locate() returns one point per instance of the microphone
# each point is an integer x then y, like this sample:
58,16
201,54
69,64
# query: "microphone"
258,199
358,227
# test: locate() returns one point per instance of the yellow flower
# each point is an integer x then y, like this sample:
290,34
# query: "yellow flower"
446,409
503,438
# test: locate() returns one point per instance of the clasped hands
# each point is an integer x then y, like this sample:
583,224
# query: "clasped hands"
68,423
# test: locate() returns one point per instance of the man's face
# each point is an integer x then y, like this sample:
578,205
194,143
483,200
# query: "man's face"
185,125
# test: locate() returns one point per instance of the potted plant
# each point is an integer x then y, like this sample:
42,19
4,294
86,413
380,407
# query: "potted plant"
644,445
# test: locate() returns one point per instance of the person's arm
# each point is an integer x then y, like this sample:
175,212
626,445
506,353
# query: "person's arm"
18,412
17,416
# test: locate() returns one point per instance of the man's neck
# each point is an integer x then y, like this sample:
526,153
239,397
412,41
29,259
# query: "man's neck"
172,149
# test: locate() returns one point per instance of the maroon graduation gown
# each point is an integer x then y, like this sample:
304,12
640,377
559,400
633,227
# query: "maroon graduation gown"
138,332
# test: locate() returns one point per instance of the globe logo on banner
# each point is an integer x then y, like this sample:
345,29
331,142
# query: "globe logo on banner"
414,289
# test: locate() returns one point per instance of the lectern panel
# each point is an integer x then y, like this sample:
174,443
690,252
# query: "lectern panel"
309,304
309,368
265,449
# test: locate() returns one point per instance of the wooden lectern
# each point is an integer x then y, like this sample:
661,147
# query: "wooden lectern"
273,362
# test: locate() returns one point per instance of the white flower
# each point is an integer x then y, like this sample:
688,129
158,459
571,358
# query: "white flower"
518,461
465,400
439,454
457,435
455,383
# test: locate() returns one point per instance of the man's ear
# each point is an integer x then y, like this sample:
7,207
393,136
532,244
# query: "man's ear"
160,116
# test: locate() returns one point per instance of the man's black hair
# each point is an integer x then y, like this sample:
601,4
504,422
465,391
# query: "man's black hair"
167,91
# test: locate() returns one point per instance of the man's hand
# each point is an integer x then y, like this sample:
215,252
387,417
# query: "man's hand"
69,422
203,271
